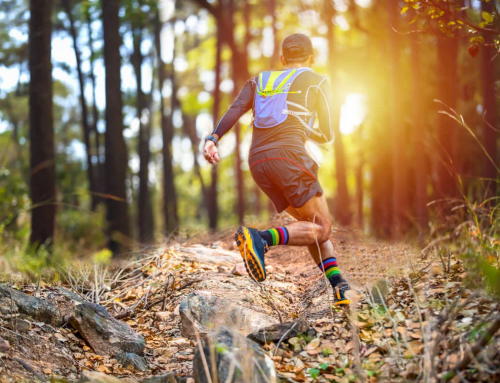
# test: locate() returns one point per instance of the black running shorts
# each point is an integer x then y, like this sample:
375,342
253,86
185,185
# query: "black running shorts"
287,176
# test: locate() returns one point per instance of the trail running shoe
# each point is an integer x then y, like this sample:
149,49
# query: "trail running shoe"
252,248
339,298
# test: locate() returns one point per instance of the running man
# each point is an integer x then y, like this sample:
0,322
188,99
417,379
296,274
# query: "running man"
284,105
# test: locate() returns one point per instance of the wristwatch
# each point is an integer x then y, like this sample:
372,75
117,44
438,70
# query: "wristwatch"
213,139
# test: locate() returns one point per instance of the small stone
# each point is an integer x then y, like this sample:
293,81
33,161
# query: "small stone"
239,270
269,269
293,341
47,371
4,345
221,269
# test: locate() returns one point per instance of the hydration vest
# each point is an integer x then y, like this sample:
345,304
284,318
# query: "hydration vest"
271,104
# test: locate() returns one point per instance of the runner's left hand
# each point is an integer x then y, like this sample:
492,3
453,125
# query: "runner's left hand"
211,152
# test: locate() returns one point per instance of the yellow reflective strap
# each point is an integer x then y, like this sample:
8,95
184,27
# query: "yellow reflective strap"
272,79
260,81
280,86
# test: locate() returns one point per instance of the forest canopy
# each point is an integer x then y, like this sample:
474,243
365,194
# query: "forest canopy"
105,106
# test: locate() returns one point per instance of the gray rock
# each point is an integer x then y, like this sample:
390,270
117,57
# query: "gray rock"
127,359
167,378
36,308
105,334
202,312
236,358
380,290
70,295
275,332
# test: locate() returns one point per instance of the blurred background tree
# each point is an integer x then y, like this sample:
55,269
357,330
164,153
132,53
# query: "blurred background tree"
104,106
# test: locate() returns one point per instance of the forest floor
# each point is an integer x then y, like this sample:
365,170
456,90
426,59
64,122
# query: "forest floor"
423,324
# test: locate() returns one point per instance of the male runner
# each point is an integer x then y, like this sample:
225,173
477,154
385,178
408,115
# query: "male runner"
279,162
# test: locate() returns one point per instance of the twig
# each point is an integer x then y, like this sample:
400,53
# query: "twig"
27,366
306,311
479,346
15,333
202,354
187,284
427,248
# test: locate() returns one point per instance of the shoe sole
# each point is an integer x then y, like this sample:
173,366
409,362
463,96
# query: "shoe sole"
254,266
343,302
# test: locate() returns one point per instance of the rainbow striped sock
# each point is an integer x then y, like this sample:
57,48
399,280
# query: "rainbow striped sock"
329,267
275,237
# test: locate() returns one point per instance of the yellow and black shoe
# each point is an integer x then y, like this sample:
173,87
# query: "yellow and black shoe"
339,298
252,248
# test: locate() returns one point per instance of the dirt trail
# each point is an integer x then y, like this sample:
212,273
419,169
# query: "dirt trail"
147,296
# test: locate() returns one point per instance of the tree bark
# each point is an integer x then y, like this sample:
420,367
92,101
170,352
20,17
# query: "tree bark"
275,58
419,133
116,150
342,204
145,212
490,124
83,106
99,166
213,208
446,93
169,192
400,184
239,75
42,151
359,178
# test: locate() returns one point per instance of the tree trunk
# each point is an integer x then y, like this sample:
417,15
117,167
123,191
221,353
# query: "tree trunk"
419,134
400,184
359,178
145,212
490,124
446,93
167,128
43,170
83,106
239,75
99,173
342,204
275,58
213,208
116,150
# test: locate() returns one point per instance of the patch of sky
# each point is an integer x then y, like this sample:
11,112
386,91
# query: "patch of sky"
167,42
226,85
320,45
342,22
177,118
203,97
267,43
181,64
204,124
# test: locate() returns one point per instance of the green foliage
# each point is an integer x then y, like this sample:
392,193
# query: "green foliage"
314,372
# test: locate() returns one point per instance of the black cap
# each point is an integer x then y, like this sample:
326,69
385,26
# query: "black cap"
297,47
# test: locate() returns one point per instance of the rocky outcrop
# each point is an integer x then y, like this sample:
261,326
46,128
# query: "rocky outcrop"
232,358
36,308
108,336
282,330
200,312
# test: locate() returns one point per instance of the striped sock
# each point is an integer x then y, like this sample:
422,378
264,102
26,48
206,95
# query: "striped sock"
275,237
330,268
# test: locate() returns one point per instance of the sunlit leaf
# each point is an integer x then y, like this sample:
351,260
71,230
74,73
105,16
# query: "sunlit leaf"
477,39
488,17
404,10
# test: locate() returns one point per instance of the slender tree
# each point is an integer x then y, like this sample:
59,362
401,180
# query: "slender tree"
400,181
419,133
213,204
167,128
447,91
145,213
42,152
342,206
490,124
116,150
99,168
83,105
